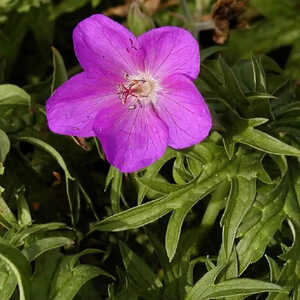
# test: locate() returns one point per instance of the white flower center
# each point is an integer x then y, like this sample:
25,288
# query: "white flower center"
138,90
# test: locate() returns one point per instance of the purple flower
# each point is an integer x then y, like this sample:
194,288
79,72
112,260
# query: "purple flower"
136,94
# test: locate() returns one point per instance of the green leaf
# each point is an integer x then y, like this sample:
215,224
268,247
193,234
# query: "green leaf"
69,278
236,287
174,229
180,173
46,147
140,275
207,52
4,149
274,269
7,218
267,219
134,217
95,3
138,21
232,84
293,65
265,142
24,216
20,267
152,171
115,177
153,210
73,190
259,76
59,70
159,185
241,198
67,6
203,284
19,237
272,9
88,200
205,288
45,267
13,95
41,246
8,282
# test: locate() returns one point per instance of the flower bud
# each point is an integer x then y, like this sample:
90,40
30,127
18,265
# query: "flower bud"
138,22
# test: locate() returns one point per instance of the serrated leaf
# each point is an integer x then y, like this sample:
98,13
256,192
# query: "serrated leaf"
13,95
153,210
20,267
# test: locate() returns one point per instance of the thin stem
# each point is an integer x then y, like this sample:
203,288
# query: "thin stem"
209,219
89,201
205,25
186,10
200,5
214,206
101,155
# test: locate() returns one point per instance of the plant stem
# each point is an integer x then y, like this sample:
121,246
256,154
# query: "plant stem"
214,206
186,10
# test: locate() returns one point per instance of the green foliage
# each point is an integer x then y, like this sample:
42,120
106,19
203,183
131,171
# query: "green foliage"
220,219
279,27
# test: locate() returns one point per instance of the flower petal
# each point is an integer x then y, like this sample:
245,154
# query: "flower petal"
131,139
182,108
106,47
72,108
169,50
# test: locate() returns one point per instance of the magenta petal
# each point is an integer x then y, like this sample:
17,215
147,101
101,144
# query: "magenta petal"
170,50
106,47
131,139
72,108
182,108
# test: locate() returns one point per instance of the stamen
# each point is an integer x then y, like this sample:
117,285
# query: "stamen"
140,89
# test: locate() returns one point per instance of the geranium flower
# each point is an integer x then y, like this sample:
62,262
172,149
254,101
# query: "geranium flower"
136,94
